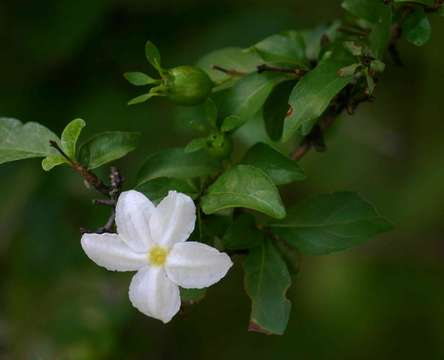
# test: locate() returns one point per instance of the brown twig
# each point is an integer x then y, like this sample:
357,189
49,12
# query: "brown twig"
231,72
294,71
111,192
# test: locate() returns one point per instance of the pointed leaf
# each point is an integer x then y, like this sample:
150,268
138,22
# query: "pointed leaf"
313,93
22,141
266,283
244,186
141,99
139,78
176,163
276,109
287,48
106,147
231,123
280,168
249,94
196,144
152,55
70,136
330,222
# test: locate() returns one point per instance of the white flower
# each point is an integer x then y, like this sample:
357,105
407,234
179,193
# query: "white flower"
151,241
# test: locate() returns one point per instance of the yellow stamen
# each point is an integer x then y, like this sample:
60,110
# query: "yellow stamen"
157,256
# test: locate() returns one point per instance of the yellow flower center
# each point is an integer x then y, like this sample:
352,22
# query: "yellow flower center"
157,256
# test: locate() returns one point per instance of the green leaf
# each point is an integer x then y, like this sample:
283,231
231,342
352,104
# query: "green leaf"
313,93
107,147
152,55
139,78
369,10
141,98
330,222
196,144
70,136
380,17
243,234
231,58
266,283
249,94
280,168
192,296
176,163
244,186
231,123
276,108
379,37
51,161
22,141
416,27
287,48
68,144
157,189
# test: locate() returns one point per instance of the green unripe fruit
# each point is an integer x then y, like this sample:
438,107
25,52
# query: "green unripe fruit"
219,146
187,85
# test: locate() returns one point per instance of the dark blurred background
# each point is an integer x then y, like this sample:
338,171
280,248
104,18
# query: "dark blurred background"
64,59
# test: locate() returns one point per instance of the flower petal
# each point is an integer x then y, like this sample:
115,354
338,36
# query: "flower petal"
111,252
174,218
152,293
133,212
195,265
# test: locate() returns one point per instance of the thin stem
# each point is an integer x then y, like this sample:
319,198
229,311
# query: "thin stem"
231,72
295,71
89,176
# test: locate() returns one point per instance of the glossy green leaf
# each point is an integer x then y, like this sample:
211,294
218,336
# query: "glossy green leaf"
196,144
313,93
139,78
141,98
276,108
70,135
249,94
330,222
287,48
280,168
176,163
416,27
22,141
157,189
244,186
266,282
107,147
230,58
152,55
243,234
68,144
